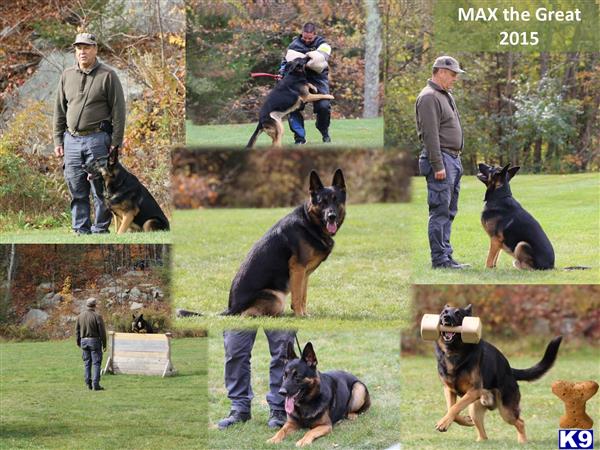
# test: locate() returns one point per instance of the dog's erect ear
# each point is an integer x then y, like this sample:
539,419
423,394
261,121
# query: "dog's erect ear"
133,315
315,182
468,310
309,356
504,170
513,171
290,353
141,316
338,180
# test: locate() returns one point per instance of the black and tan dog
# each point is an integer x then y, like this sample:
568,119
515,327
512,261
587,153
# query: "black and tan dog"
287,96
482,377
132,205
282,260
141,325
317,400
509,226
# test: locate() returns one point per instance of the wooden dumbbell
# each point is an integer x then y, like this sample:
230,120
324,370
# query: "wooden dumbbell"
470,329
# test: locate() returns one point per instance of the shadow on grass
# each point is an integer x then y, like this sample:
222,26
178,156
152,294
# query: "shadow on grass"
27,430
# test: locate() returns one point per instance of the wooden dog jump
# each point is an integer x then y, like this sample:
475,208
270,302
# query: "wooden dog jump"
139,354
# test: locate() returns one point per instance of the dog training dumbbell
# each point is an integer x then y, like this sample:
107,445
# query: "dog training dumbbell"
470,329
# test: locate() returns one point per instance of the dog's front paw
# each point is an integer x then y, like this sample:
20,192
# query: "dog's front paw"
444,423
275,439
465,421
304,442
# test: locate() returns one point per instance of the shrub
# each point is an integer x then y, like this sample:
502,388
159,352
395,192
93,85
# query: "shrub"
32,191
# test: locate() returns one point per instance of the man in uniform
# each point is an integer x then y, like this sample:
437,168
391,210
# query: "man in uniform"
238,348
441,134
306,42
91,338
89,121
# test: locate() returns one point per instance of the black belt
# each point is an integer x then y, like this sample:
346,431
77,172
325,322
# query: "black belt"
83,132
454,154
458,152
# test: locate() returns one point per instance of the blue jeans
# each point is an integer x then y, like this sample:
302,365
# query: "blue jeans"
442,199
81,150
238,349
91,349
322,110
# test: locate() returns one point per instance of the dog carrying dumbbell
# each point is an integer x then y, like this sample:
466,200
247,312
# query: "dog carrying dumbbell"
432,326
475,374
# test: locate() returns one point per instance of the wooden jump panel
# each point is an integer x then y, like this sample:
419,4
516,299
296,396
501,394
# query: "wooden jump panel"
139,354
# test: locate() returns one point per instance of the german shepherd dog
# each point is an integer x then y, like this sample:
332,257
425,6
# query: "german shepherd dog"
282,260
133,207
509,226
140,325
482,377
287,96
317,400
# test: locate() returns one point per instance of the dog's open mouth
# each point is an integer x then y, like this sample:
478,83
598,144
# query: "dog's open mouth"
290,403
447,336
331,227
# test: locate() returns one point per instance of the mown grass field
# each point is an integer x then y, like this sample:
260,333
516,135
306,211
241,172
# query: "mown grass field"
567,207
423,404
45,403
373,356
364,279
66,236
344,133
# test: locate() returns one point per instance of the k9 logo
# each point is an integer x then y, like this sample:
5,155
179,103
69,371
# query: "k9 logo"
575,439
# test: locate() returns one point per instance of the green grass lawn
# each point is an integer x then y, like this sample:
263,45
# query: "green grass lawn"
66,236
567,207
344,133
373,356
365,277
423,403
45,403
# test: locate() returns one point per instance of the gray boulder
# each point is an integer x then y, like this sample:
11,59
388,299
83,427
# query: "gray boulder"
35,318
135,305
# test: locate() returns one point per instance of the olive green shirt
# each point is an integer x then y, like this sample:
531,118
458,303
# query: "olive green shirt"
90,325
438,124
77,109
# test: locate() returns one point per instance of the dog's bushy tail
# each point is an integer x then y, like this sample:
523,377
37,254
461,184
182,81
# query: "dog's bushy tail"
252,140
535,372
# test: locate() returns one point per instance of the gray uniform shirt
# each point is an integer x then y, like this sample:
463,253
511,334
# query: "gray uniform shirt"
78,110
438,124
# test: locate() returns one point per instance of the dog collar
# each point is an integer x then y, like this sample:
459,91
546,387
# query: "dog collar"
498,194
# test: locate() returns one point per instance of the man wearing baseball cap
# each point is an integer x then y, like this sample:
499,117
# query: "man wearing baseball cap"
441,135
91,338
89,121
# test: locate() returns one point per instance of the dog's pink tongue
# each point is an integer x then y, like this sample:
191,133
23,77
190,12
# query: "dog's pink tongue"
289,405
331,227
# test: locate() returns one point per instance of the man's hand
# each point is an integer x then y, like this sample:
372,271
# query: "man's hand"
441,175
59,151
